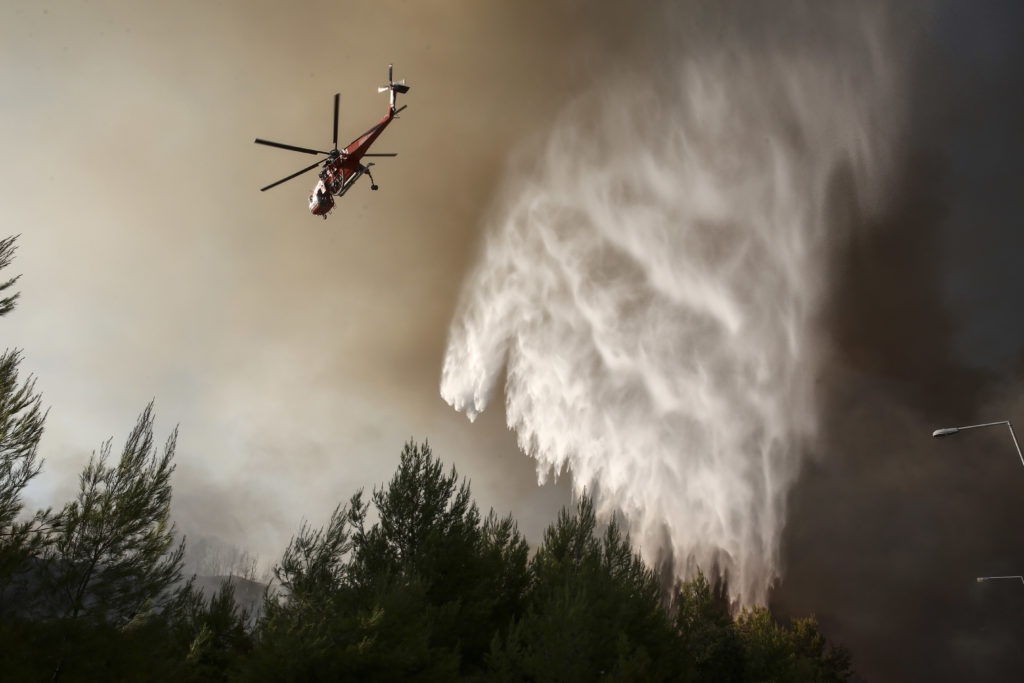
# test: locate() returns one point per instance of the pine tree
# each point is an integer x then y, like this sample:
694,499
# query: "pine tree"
710,641
472,572
796,653
419,594
112,557
593,610
21,427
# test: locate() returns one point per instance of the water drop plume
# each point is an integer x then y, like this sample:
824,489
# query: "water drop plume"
649,281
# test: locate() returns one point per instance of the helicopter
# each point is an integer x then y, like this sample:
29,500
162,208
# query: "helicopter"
343,167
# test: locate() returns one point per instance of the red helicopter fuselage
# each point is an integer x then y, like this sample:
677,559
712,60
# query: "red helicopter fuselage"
343,167
341,172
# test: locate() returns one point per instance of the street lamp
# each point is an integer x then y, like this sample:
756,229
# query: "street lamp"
948,431
983,579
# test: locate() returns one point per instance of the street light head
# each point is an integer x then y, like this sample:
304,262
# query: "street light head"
945,431
981,579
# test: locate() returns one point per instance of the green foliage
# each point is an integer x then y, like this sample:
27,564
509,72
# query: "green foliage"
422,511
7,249
593,610
430,591
309,627
191,640
74,650
710,643
21,427
314,563
798,653
211,636
430,530
88,593
419,594
111,556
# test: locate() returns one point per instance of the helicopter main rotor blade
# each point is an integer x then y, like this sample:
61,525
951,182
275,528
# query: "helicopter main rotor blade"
337,97
381,154
291,147
293,175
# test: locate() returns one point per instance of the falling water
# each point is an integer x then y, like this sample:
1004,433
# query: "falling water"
649,284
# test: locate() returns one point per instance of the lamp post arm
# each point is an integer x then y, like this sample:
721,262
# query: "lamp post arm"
987,424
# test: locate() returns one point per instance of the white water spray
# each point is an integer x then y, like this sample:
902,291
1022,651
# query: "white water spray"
650,284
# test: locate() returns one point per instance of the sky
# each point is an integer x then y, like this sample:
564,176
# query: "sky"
297,355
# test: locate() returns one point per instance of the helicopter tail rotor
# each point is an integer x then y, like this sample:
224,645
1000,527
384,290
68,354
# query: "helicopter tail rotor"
393,86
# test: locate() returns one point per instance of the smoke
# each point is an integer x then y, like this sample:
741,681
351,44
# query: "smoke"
210,556
651,280
889,530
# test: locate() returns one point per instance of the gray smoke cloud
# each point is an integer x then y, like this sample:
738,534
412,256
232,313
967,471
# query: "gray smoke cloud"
650,281
299,355
888,531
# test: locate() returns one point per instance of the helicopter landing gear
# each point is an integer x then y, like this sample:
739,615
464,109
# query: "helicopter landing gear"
373,185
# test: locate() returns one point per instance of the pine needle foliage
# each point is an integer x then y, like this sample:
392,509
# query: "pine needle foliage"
112,556
7,249
21,427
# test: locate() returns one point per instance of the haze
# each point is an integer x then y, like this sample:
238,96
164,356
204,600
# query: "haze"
297,355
